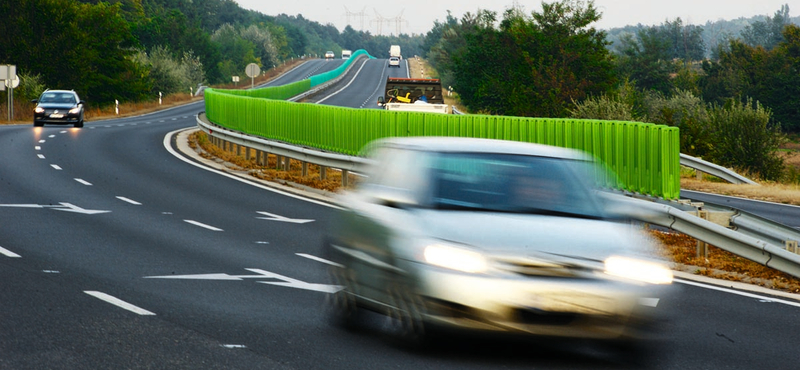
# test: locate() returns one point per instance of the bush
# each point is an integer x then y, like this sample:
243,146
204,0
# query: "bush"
685,111
603,107
743,137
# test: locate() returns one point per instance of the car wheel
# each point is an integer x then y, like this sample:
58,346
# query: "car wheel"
405,317
341,306
79,123
37,124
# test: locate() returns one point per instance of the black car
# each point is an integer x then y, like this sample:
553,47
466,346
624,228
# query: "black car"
60,107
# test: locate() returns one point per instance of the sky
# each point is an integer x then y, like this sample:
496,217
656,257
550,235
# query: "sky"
417,16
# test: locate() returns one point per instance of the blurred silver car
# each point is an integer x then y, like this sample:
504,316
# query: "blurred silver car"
493,236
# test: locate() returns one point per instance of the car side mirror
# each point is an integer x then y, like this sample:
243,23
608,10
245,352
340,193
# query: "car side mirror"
82,102
34,101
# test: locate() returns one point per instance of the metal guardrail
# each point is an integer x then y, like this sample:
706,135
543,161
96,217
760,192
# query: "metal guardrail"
752,237
758,241
310,155
713,169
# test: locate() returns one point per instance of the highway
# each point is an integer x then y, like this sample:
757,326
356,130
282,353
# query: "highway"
118,249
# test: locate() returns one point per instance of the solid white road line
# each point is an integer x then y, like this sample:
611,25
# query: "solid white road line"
743,294
8,253
131,201
212,228
118,302
82,181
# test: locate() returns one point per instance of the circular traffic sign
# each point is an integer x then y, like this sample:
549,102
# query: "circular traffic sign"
252,70
13,83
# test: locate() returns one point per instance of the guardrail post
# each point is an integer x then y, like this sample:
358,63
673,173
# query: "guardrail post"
791,246
699,174
323,173
287,163
247,153
702,247
278,160
345,180
305,169
238,149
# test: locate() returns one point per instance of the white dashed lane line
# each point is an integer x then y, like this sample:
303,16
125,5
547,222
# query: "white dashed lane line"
209,227
118,302
41,156
82,181
55,166
8,253
131,201
318,259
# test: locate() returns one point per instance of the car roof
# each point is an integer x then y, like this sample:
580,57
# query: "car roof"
61,91
477,145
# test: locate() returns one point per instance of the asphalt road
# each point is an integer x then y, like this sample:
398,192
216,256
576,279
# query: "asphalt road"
119,251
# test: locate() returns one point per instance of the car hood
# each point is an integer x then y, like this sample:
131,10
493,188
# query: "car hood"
57,105
545,236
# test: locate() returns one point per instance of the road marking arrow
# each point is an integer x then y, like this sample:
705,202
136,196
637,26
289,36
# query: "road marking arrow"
63,207
286,281
274,217
294,283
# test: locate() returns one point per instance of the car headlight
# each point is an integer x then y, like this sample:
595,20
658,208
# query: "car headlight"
75,110
648,272
38,110
455,258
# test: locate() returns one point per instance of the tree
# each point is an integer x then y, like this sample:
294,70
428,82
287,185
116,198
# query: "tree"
533,66
768,33
646,59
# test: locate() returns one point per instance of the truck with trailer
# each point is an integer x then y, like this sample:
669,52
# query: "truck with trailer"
414,95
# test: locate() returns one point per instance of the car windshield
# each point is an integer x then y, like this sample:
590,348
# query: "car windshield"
513,183
58,98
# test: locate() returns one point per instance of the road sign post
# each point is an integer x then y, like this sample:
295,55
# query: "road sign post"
252,70
8,75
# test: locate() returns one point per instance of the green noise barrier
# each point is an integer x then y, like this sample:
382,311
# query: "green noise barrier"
644,156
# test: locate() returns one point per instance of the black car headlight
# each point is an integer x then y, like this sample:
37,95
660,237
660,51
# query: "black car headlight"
38,110
75,110
455,258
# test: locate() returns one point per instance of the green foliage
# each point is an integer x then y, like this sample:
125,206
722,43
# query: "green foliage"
687,112
169,74
769,32
744,137
604,107
646,60
532,65
73,46
30,87
770,77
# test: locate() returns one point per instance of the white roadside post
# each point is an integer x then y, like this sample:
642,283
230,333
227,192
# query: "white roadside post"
159,98
116,106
